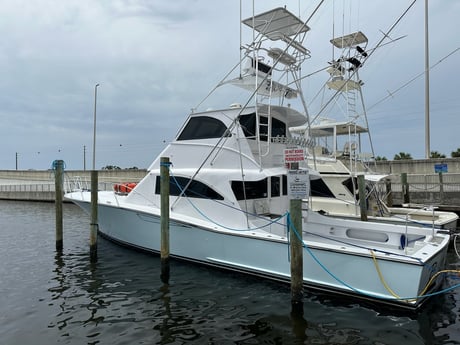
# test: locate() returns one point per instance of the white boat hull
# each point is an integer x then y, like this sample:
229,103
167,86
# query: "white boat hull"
328,268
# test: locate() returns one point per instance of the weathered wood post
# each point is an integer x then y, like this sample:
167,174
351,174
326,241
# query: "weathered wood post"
164,218
296,254
94,219
58,166
405,188
389,200
296,250
362,197
441,188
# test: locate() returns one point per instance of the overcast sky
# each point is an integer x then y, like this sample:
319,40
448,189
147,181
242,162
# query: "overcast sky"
155,60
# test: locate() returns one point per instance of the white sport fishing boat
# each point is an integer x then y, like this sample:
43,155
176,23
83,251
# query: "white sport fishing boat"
229,197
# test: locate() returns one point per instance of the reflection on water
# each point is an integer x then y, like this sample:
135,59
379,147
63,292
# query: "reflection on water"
62,298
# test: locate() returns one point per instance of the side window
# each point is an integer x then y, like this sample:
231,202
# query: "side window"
319,188
203,127
250,189
278,128
285,185
275,186
196,189
248,124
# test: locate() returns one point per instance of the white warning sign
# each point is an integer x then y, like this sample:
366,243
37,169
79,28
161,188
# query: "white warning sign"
298,184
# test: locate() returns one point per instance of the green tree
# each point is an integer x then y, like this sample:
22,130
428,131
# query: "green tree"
378,158
402,155
436,154
111,167
455,153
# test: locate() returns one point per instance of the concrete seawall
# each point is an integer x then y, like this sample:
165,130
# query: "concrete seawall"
39,185
426,186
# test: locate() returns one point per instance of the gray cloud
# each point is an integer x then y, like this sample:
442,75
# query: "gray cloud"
156,60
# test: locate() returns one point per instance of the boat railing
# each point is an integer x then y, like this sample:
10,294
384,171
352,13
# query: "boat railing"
79,183
293,141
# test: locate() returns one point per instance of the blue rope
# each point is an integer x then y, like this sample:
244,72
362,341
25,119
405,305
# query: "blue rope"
290,224
55,164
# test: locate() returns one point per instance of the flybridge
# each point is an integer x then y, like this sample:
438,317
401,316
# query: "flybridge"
277,25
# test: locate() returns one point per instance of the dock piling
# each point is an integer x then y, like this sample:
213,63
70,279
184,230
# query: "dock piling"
58,166
296,250
405,188
441,188
362,197
389,192
94,218
164,218
296,256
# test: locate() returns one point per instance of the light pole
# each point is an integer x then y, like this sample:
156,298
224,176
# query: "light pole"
427,87
94,128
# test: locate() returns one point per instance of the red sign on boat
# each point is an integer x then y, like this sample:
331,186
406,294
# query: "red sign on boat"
294,155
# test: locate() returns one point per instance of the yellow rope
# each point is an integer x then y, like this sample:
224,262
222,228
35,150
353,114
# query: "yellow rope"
374,258
387,287
434,277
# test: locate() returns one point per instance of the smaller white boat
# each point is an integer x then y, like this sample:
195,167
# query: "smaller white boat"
336,195
340,144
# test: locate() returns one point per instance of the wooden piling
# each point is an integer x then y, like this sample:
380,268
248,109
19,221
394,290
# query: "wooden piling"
296,252
441,188
164,218
94,218
405,188
58,165
296,249
362,197
389,200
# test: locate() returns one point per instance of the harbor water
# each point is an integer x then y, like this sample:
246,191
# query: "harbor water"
47,298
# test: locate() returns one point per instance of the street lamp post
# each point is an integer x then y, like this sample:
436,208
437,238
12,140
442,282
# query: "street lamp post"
94,128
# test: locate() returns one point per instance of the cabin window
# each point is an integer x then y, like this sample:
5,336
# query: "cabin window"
275,186
250,189
262,67
285,185
278,128
248,124
348,183
196,189
319,188
203,127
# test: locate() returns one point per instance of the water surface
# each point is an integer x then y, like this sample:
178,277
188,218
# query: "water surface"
47,298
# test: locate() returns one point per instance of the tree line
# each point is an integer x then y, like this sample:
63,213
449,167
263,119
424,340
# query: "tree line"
434,154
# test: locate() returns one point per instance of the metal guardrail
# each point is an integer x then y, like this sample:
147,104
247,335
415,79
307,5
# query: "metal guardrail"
50,187
428,182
